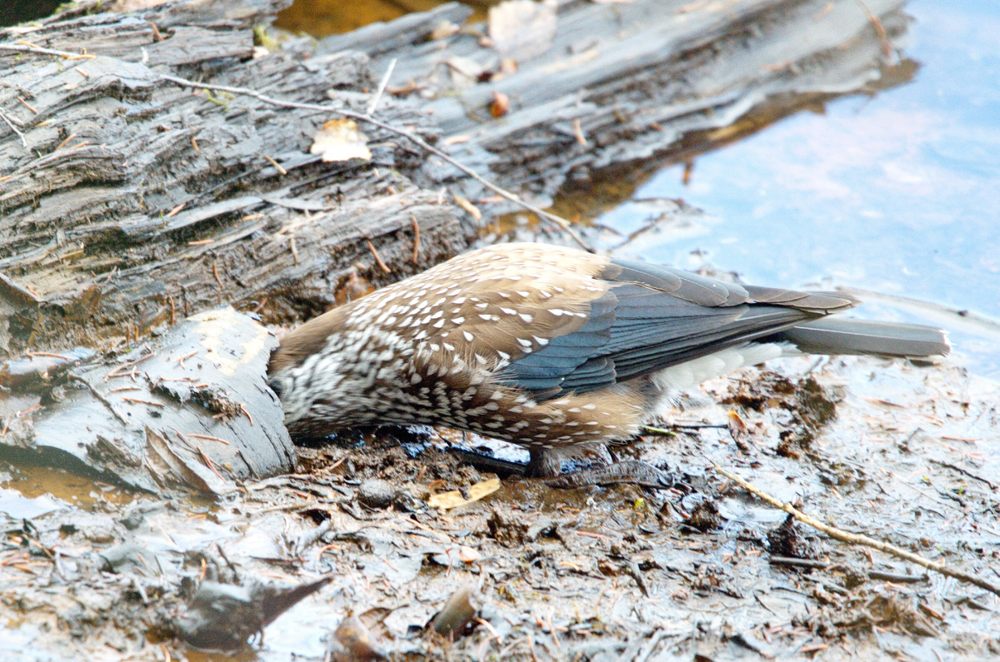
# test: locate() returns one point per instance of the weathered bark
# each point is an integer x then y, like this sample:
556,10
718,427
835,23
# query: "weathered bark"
637,77
188,410
94,227
165,198
132,203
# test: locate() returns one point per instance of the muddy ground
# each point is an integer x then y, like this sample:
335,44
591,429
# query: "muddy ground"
904,453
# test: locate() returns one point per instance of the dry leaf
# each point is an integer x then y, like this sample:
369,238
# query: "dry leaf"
736,422
464,71
353,288
523,28
500,105
454,499
468,555
340,140
479,490
446,500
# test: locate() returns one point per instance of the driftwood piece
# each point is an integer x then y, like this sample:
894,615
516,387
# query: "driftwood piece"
628,81
147,195
188,410
128,203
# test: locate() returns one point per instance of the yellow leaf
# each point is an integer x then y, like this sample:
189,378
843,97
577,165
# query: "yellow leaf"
454,499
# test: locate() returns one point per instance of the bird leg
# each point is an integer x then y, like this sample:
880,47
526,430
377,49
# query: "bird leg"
634,472
547,463
544,463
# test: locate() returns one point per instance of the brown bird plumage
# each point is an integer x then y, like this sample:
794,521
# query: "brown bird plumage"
549,347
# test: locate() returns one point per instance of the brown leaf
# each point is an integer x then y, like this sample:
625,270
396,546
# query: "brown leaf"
500,105
454,499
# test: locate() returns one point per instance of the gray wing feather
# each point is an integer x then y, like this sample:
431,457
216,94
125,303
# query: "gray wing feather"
654,317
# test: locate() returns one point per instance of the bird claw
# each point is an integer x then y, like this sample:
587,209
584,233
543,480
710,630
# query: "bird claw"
625,471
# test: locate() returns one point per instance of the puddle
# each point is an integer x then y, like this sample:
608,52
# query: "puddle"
35,482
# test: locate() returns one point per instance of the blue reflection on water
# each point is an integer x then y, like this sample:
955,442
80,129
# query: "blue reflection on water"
899,193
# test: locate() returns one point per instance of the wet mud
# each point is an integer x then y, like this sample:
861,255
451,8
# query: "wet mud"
900,452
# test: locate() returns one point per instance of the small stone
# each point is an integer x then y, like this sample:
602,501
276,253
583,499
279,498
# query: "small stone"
376,493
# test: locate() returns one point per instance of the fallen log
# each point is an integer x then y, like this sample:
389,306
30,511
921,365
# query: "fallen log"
624,82
131,199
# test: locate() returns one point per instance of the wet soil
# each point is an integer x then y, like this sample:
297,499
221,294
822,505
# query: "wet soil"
901,452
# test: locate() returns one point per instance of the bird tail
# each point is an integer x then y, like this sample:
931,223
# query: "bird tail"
850,336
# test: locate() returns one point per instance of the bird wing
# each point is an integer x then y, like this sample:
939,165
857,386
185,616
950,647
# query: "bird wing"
648,318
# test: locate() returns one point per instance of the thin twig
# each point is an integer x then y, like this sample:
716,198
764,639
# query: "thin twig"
247,414
562,223
215,272
64,143
27,105
206,436
649,429
381,88
3,116
993,486
209,463
879,30
180,361
856,539
45,51
277,166
100,396
877,575
378,258
144,402
124,388
49,355
117,370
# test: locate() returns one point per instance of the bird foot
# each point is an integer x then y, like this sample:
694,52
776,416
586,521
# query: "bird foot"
625,471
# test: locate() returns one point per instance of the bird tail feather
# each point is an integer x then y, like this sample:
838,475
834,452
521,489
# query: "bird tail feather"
850,336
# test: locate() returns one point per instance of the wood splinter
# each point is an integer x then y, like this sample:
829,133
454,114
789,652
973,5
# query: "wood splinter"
416,240
215,272
378,258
